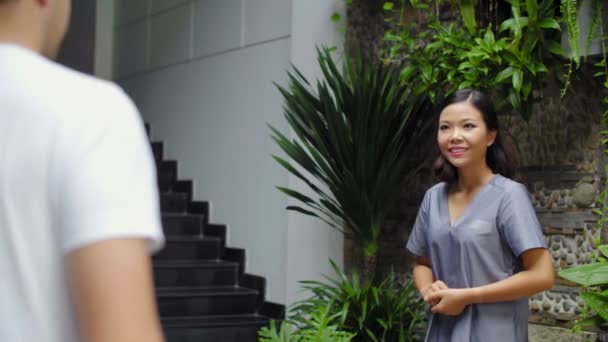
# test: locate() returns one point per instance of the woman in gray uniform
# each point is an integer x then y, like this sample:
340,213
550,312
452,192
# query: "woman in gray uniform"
480,249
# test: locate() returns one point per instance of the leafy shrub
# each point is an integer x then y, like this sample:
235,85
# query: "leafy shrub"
383,311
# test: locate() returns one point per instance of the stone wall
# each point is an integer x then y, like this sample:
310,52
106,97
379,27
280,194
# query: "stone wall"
560,162
562,166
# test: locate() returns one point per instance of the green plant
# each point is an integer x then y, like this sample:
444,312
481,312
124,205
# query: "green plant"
594,279
337,19
510,60
354,132
384,311
319,328
569,10
594,276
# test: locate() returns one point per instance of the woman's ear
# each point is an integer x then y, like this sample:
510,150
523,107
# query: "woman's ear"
491,137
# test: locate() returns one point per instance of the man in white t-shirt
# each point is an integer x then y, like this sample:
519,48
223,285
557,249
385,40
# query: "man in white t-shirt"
78,199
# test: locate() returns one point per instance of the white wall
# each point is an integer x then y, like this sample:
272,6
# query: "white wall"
201,72
310,242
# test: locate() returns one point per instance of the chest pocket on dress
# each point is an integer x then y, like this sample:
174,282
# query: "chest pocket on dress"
481,227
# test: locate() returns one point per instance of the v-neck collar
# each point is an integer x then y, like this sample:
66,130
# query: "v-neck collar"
465,212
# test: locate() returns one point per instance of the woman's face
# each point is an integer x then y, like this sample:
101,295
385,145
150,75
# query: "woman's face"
463,136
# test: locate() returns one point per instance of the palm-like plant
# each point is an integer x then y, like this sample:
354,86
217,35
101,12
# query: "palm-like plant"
354,133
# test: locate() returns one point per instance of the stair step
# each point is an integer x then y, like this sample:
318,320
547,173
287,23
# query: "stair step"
190,247
214,321
165,181
195,273
237,333
173,202
157,151
182,224
201,301
166,174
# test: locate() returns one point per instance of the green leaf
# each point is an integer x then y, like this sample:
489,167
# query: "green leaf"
296,195
556,49
532,8
540,67
517,79
597,303
529,45
503,75
508,24
407,72
526,89
594,321
489,38
549,23
587,275
391,36
594,29
388,6
467,11
515,100
604,250
569,13
465,65
416,4
335,17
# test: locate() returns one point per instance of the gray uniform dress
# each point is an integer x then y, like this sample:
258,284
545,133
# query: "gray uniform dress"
481,247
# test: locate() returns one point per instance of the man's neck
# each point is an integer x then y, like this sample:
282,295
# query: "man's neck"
21,27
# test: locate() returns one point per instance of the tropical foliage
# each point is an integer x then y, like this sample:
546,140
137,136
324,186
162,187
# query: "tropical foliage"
353,133
381,311
354,310
511,53
319,328
511,59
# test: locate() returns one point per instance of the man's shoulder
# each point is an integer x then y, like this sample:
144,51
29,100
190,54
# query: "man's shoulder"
82,105
80,86
81,97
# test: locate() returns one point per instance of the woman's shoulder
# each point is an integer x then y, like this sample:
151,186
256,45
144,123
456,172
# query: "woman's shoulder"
509,187
435,190
437,187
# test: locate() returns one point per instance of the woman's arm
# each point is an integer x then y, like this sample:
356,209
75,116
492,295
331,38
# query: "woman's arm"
424,280
538,276
423,275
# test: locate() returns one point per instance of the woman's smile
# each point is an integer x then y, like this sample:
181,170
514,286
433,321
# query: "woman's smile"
457,152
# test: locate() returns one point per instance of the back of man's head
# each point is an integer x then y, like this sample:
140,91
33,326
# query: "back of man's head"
38,25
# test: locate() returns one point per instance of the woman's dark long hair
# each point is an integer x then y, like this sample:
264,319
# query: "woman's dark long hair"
500,158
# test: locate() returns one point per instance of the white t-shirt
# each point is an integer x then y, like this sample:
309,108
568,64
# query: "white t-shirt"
75,168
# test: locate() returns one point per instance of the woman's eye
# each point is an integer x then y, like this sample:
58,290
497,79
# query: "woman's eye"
469,125
443,127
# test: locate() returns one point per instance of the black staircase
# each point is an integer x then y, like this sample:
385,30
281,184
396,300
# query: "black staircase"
202,291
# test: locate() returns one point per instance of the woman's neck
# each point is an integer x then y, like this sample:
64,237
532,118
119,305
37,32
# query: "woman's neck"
471,179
